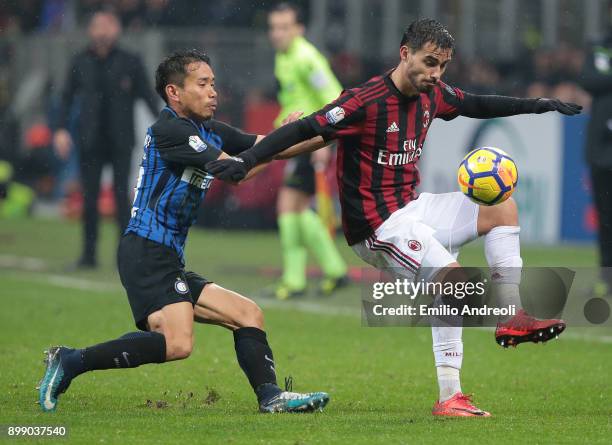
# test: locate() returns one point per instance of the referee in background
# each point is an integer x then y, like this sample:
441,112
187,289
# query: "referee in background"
306,84
102,84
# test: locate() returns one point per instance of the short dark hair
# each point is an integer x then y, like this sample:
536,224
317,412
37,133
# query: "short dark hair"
423,31
173,69
285,6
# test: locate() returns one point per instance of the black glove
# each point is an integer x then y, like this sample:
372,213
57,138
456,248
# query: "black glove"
543,105
232,169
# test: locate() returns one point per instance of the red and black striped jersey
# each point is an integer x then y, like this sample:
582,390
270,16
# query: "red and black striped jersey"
380,134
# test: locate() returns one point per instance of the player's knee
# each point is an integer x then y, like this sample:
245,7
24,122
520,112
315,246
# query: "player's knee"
183,350
178,348
504,214
509,213
448,272
156,322
258,317
285,202
251,315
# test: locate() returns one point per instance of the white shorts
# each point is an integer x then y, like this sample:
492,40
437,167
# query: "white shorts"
426,233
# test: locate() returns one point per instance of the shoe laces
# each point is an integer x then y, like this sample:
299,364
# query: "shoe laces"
288,393
285,395
521,320
467,398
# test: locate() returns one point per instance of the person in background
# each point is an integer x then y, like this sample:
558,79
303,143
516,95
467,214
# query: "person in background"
103,81
596,79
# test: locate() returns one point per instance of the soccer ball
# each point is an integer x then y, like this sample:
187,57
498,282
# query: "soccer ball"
487,176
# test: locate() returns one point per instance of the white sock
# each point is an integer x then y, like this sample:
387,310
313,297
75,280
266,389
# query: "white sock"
503,253
507,295
448,381
448,356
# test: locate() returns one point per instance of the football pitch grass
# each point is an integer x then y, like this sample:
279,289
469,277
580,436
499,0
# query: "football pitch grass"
381,380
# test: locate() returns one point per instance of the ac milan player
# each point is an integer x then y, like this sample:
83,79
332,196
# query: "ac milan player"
380,127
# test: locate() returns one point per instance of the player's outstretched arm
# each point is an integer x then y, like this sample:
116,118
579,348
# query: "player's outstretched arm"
236,168
255,170
308,146
489,106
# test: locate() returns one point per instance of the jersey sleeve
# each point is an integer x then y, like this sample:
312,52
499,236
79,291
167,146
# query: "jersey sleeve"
235,141
448,101
342,117
180,141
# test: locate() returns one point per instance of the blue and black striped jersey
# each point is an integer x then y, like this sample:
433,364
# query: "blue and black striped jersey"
172,181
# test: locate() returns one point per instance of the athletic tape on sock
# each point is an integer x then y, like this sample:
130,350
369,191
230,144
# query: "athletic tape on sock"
447,346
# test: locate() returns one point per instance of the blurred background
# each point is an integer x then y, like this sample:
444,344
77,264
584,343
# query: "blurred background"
515,47
537,48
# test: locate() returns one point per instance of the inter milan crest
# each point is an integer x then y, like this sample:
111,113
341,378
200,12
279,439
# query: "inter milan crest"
180,286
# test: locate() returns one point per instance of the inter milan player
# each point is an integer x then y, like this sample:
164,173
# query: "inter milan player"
380,127
165,299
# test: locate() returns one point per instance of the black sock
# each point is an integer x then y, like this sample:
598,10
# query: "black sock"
128,351
256,360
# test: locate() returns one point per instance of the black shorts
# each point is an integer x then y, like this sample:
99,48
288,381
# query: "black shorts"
153,277
299,174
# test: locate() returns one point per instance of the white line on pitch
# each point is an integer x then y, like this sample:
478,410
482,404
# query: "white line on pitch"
25,263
